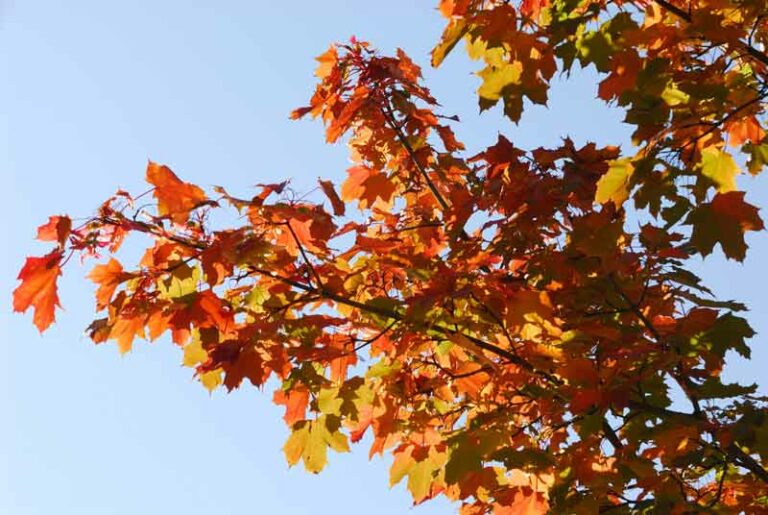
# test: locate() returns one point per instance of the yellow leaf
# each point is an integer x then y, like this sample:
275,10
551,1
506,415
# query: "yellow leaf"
338,441
476,48
315,454
497,77
211,380
614,185
420,479
194,354
720,167
329,402
452,35
673,96
294,446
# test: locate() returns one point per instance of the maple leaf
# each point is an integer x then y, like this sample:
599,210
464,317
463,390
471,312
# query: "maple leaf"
496,79
175,198
366,185
614,185
326,63
295,402
720,167
622,78
108,277
310,440
38,288
330,192
497,324
451,36
745,130
450,8
125,330
57,229
724,221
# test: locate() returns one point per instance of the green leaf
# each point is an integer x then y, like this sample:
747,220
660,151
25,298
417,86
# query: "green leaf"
713,303
729,332
383,368
310,440
758,157
595,47
256,298
590,424
183,281
420,478
524,458
465,457
335,438
713,388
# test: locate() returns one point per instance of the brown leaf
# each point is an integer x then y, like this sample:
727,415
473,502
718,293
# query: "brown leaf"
330,192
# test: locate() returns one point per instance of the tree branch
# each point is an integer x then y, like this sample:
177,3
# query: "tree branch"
304,256
687,17
390,118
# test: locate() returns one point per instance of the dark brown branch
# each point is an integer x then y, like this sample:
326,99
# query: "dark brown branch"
719,493
662,412
683,381
684,15
304,256
743,459
390,118
733,452
387,313
149,229
716,125
611,436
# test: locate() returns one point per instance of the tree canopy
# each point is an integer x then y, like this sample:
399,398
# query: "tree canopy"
509,324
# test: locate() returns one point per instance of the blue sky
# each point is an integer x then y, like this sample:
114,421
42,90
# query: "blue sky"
90,90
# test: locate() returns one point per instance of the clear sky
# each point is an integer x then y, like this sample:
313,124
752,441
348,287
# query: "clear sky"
89,90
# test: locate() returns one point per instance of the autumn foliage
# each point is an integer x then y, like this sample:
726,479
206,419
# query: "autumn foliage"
490,318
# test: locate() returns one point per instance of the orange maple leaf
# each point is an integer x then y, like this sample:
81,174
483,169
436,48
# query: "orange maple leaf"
745,130
38,288
366,185
57,229
108,277
295,402
175,198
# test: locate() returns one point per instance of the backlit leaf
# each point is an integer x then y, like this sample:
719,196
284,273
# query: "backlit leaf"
38,288
720,167
614,185
175,198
